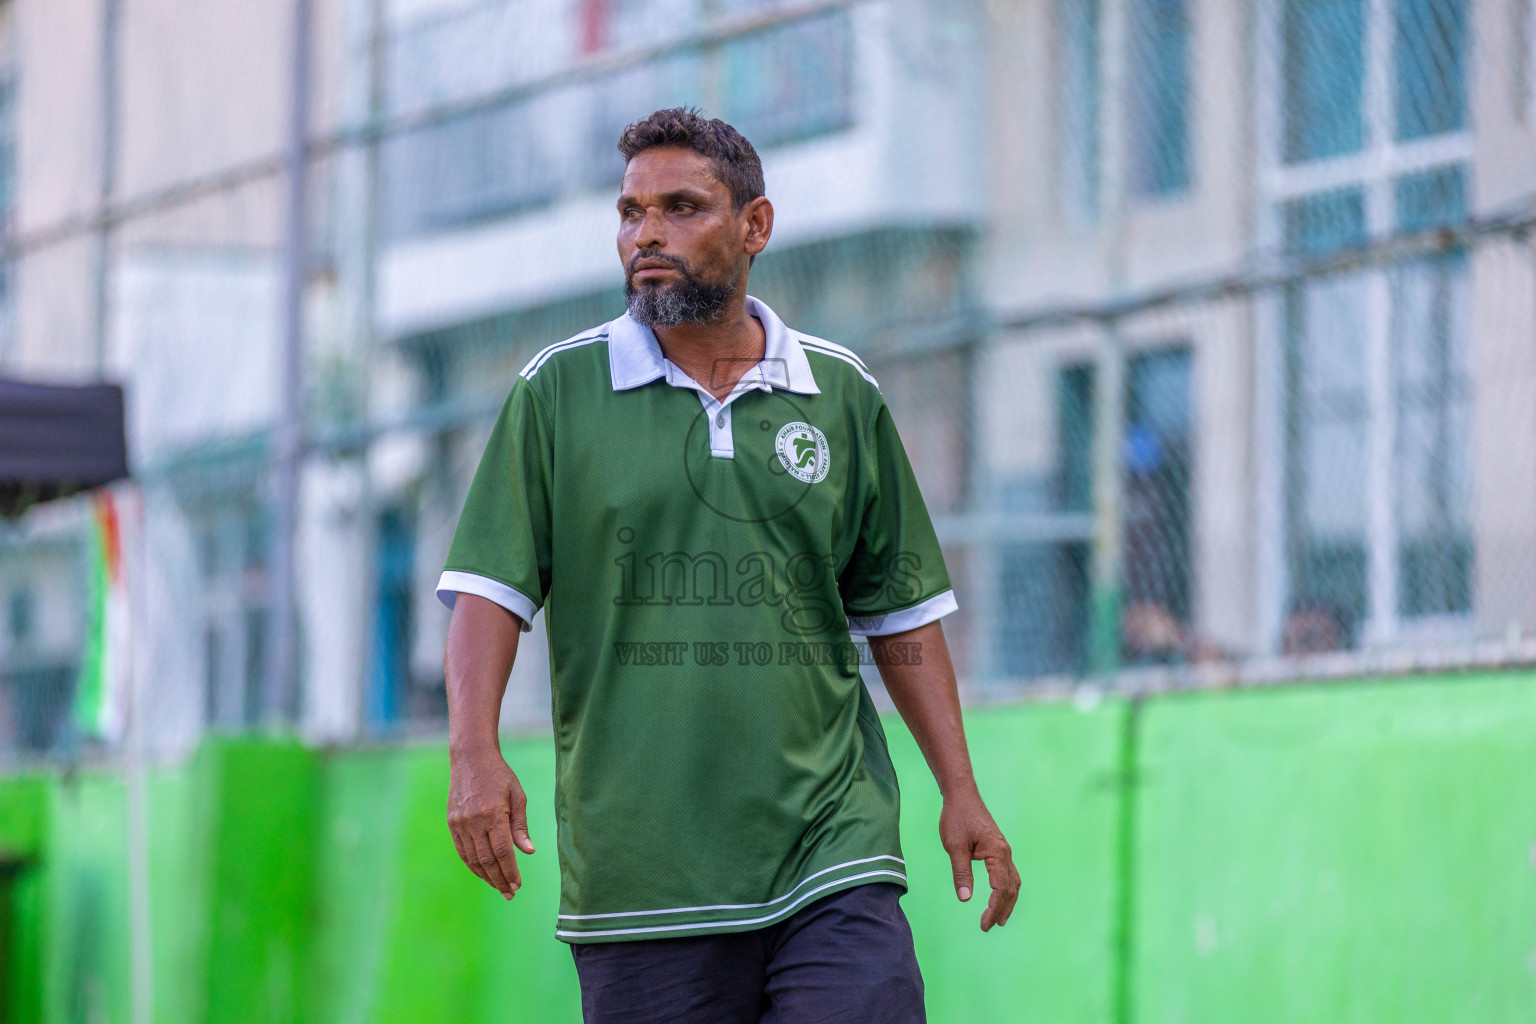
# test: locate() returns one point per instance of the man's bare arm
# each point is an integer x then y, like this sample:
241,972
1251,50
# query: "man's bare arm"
918,675
487,808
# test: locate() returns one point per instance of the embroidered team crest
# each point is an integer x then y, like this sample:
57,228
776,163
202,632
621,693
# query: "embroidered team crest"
802,451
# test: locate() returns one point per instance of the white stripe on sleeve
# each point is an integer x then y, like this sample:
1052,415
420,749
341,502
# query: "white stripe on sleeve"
452,584
908,618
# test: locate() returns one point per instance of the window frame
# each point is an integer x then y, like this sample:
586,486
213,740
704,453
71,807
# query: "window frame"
231,595
1374,169
1142,183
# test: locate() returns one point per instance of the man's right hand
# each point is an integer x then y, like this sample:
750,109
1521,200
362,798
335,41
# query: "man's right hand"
488,816
487,809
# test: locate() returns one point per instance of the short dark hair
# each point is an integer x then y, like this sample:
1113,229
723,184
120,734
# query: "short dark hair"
735,161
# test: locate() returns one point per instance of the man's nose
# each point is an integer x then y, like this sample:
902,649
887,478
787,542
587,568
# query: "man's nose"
652,233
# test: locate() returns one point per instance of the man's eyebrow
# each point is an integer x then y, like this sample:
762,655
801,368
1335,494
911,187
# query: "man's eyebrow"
691,195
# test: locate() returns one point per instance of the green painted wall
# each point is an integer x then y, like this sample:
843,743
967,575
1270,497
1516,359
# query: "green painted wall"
407,933
1049,775
1344,854
1341,853
23,815
85,886
24,828
261,898
232,856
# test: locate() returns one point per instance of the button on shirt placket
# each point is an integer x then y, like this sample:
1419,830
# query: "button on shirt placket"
722,444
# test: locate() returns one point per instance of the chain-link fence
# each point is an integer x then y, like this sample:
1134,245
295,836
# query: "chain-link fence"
1207,325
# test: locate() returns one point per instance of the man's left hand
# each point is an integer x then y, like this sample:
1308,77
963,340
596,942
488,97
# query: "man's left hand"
969,834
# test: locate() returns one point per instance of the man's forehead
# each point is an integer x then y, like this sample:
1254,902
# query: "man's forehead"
669,169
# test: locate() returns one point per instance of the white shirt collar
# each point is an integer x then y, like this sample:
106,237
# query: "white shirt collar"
635,357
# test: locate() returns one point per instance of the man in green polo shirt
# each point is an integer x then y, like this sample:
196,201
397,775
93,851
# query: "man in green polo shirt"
707,505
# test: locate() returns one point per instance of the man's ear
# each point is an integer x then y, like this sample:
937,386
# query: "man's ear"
758,214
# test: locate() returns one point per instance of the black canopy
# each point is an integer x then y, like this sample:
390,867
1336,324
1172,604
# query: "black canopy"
58,440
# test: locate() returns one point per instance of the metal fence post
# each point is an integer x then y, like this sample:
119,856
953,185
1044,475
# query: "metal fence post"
282,659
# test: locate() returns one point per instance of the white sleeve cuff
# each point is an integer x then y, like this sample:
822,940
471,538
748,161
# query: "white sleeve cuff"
452,584
908,618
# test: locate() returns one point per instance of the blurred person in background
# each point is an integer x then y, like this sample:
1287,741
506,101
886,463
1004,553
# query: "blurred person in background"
708,505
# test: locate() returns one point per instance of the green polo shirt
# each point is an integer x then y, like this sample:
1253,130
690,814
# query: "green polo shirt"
702,566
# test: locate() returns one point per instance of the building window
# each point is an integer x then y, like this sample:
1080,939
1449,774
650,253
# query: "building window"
1078,28
19,616
1429,44
623,98
1433,405
1324,78
1044,609
790,82
1075,386
1155,462
1522,81
777,85
613,102
785,83
7,146
483,165
1044,586
1158,104
1328,423
232,546
1324,61
390,671
1338,423
1377,396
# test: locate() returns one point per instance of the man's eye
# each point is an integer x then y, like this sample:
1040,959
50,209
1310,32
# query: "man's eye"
683,207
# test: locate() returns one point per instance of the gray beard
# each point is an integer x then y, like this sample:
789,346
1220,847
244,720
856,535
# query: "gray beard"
686,302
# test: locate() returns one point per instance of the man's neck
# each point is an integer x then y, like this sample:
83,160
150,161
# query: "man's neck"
718,353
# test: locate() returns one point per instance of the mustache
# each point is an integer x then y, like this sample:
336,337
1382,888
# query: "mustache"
675,262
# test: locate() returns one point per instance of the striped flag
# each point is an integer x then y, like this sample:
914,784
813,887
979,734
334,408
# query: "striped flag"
103,671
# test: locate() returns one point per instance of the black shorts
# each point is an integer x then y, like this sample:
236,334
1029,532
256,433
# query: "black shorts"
845,957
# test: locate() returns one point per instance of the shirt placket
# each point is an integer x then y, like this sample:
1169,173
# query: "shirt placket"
722,444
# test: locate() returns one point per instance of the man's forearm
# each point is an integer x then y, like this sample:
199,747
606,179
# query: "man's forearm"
924,690
482,645
487,808
921,682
